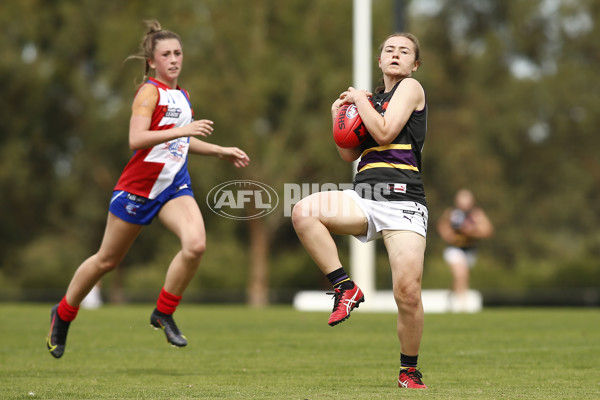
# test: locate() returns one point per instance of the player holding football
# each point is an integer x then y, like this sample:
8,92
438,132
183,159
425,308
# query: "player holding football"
155,183
388,199
462,227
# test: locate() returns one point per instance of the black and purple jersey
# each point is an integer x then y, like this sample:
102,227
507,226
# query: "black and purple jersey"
393,170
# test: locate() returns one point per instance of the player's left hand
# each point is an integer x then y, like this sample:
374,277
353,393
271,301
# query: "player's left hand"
236,156
352,95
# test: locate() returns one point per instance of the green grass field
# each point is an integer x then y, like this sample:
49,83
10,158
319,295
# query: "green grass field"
279,353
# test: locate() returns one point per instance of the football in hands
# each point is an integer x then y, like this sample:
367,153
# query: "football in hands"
348,128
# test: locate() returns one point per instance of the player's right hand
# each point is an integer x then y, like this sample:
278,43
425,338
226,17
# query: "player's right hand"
202,127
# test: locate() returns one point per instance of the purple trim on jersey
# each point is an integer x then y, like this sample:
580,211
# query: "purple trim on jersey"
393,156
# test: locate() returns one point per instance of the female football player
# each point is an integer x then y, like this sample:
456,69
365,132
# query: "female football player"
388,200
155,183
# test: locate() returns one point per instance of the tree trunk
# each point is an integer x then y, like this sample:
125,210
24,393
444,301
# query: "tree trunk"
258,283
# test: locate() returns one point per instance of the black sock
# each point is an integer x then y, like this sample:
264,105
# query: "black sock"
408,361
339,278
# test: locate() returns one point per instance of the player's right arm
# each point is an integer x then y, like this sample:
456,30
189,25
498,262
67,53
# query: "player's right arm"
140,135
444,228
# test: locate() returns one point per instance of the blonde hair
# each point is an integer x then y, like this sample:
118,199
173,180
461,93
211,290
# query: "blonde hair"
154,34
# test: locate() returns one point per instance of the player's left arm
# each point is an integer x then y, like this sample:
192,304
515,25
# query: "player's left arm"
349,155
408,98
234,155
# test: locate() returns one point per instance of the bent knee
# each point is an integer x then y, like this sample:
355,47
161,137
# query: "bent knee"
299,214
302,213
194,249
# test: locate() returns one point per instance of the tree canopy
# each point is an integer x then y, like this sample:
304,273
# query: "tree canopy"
511,87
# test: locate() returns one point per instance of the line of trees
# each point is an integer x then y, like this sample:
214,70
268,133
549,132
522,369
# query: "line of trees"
511,86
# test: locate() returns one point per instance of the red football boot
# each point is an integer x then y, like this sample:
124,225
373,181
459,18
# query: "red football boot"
345,300
411,378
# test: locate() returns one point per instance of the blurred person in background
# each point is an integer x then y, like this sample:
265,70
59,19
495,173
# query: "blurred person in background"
461,227
155,183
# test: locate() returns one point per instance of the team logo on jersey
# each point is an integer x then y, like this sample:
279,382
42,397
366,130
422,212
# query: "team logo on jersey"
384,107
175,148
173,113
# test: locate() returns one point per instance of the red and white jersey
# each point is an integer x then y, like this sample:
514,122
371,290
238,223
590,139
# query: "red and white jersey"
151,171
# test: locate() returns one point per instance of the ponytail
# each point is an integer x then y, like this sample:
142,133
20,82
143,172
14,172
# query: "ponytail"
154,34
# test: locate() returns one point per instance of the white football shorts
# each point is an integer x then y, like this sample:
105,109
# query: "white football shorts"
456,255
390,215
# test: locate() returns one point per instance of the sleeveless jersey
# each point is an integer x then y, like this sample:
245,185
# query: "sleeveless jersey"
458,218
151,171
393,171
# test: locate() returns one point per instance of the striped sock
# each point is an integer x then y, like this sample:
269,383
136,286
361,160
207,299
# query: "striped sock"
339,279
408,361
65,311
167,302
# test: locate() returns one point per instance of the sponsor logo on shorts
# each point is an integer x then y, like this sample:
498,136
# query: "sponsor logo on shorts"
132,208
136,198
398,187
